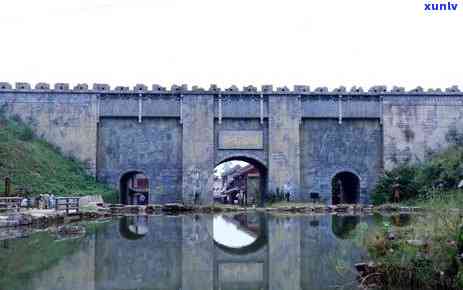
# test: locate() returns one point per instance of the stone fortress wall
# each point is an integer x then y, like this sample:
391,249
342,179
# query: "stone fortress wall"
176,136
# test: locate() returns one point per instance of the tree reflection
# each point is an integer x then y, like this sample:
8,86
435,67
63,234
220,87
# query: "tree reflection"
343,226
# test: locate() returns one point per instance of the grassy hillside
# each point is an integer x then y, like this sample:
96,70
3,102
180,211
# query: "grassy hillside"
37,167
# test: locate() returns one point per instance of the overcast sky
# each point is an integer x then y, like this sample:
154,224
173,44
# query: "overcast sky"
199,42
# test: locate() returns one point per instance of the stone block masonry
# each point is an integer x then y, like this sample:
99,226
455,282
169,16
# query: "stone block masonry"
176,136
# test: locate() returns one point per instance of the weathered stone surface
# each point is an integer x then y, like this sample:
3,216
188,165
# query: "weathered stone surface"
241,139
198,147
90,200
42,86
121,89
416,127
140,88
23,86
175,207
284,144
65,119
175,137
101,87
416,243
5,86
61,87
328,148
238,124
158,88
153,147
81,87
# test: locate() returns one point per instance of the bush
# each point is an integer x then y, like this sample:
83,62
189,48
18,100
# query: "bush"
404,176
26,134
454,137
439,175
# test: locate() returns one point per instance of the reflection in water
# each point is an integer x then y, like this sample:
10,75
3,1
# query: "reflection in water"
314,222
179,252
344,225
133,227
401,220
234,231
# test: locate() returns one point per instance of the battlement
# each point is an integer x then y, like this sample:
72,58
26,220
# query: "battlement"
183,89
176,135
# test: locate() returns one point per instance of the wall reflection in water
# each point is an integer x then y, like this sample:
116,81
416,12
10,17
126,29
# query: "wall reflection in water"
201,252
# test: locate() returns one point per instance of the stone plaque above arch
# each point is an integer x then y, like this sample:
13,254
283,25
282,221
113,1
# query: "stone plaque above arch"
241,139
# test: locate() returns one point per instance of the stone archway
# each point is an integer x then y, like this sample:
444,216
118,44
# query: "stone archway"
260,186
345,188
134,188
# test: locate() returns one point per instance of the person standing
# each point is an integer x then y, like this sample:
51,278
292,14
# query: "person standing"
141,199
7,186
396,191
51,201
196,198
287,191
243,197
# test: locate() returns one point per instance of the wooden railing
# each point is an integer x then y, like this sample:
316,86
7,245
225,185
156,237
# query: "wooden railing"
67,204
10,203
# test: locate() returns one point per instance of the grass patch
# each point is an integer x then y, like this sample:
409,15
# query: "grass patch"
423,255
427,253
36,167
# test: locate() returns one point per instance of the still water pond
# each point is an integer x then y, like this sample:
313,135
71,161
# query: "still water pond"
195,252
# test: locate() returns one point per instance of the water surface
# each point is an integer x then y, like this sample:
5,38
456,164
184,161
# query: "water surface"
197,252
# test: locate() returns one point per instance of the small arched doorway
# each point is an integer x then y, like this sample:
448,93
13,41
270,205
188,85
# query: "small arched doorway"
345,188
134,188
240,179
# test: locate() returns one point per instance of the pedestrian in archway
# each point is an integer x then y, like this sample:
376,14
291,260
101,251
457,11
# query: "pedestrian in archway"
141,199
245,197
196,198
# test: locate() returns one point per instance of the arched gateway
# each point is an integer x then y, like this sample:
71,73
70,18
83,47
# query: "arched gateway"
134,188
250,179
345,188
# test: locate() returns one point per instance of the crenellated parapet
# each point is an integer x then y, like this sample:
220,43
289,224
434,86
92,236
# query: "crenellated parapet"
175,135
183,89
